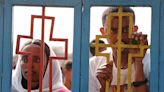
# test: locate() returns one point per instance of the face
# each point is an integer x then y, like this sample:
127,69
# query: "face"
114,31
68,74
35,67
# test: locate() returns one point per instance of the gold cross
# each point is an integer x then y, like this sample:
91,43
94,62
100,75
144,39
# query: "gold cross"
119,46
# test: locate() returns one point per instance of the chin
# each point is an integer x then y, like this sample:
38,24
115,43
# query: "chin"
35,80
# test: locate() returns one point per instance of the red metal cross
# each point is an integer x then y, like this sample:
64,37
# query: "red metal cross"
43,17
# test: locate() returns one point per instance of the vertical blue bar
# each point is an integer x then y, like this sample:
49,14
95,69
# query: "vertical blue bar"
1,39
161,63
85,46
154,75
76,48
7,47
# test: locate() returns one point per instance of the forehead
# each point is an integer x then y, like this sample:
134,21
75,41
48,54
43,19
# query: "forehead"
115,21
32,48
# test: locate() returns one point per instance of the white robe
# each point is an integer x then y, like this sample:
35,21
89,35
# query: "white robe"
97,62
57,83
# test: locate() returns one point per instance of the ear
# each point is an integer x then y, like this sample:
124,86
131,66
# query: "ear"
102,30
135,28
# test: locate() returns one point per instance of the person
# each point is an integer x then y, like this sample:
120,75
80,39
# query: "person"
67,73
100,71
20,74
92,48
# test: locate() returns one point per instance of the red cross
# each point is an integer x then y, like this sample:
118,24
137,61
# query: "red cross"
43,17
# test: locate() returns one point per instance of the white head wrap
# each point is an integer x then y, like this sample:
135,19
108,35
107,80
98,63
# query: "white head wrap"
56,78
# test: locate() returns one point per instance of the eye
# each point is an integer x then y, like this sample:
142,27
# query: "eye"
114,30
125,30
36,59
24,59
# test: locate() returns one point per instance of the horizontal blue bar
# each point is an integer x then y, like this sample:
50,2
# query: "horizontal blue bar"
1,2
1,39
60,3
120,2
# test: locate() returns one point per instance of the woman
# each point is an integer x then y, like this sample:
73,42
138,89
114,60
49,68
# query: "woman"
20,74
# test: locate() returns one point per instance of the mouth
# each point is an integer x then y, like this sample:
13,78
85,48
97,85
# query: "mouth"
32,73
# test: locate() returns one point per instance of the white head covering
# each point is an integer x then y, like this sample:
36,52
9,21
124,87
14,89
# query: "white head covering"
56,78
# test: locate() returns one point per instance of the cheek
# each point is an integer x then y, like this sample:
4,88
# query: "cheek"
24,66
113,38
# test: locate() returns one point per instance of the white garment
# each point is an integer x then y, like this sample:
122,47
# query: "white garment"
97,62
56,78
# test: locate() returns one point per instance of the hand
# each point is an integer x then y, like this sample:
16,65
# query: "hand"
138,39
105,74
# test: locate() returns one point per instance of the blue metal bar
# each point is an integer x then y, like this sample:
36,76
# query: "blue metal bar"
155,4
76,49
1,1
1,39
85,47
161,63
121,2
60,3
154,75
7,47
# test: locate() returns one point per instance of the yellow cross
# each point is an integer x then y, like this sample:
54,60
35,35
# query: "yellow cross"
119,46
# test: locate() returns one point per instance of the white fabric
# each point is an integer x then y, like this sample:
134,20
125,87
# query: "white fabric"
56,78
97,62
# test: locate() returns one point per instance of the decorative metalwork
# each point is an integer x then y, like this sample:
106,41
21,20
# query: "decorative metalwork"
43,17
120,46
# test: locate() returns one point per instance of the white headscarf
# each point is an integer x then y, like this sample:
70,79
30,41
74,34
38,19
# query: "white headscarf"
56,78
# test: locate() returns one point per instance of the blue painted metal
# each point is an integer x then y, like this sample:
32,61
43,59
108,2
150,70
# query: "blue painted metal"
161,64
81,38
7,47
121,2
60,3
84,48
1,39
1,1
76,48
7,43
154,75
155,4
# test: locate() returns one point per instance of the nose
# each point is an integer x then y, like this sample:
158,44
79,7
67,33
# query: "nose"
125,38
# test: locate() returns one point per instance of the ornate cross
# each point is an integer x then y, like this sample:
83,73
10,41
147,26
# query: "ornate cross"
120,46
43,17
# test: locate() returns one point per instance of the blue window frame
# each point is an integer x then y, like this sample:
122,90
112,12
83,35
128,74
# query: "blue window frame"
161,63
7,37
81,43
154,4
1,37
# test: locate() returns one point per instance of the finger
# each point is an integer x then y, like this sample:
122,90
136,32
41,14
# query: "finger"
105,70
143,39
110,64
104,76
134,39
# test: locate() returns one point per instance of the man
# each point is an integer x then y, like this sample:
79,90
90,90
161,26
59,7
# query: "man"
100,71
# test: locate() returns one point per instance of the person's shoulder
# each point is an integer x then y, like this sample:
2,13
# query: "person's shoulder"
146,57
63,90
